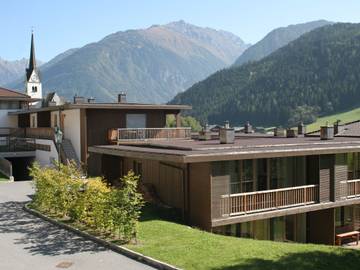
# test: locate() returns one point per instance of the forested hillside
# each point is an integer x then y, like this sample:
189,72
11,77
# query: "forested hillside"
318,73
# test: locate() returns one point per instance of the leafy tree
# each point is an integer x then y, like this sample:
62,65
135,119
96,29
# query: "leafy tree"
305,114
186,121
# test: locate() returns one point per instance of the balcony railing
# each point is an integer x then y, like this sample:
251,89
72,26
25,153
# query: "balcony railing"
252,202
36,133
353,188
140,134
14,144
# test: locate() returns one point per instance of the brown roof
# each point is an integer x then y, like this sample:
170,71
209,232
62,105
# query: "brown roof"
124,106
245,147
7,93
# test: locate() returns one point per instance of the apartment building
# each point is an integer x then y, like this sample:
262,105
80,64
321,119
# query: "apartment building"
288,186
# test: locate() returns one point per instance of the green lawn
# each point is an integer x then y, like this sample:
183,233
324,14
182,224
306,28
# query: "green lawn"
345,117
190,248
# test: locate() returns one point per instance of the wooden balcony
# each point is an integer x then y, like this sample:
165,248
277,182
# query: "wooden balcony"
40,133
143,134
36,133
268,200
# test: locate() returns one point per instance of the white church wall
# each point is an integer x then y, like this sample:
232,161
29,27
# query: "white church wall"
37,94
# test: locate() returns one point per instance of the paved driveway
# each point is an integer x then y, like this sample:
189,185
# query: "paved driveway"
27,242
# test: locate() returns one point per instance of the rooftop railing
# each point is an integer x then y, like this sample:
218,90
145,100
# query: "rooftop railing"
142,134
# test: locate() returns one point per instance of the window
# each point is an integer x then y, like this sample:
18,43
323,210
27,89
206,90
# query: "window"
353,162
34,89
33,121
247,181
135,120
344,216
8,105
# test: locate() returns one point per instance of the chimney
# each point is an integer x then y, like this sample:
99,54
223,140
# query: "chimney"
227,134
122,97
248,128
338,128
290,133
91,100
205,134
279,132
301,129
327,132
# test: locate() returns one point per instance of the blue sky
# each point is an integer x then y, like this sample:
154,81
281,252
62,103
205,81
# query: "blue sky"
61,25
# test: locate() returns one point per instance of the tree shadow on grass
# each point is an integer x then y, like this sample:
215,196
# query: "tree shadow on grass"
154,212
318,260
38,236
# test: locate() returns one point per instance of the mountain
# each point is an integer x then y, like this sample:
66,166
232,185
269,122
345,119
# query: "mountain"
316,74
12,70
276,39
151,65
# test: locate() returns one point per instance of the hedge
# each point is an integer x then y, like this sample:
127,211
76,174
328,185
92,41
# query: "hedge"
63,193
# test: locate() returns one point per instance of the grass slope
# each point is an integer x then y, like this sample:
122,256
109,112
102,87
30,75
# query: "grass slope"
345,117
190,248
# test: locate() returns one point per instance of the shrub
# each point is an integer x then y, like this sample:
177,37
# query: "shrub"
92,202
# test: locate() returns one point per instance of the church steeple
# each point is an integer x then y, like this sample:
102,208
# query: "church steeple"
32,60
33,87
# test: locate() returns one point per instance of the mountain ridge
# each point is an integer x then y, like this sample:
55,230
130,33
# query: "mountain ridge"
276,39
151,65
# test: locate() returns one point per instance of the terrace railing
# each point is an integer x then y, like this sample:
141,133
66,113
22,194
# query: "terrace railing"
140,134
267,200
15,144
353,188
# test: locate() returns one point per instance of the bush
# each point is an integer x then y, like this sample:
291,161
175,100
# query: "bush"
62,193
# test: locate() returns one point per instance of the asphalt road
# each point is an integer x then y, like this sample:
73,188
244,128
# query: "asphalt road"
27,242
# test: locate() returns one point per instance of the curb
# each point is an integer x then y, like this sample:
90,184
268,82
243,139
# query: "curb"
118,249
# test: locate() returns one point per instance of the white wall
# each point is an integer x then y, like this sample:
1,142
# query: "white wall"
8,120
46,158
72,129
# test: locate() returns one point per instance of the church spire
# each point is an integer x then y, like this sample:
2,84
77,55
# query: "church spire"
32,60
33,87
